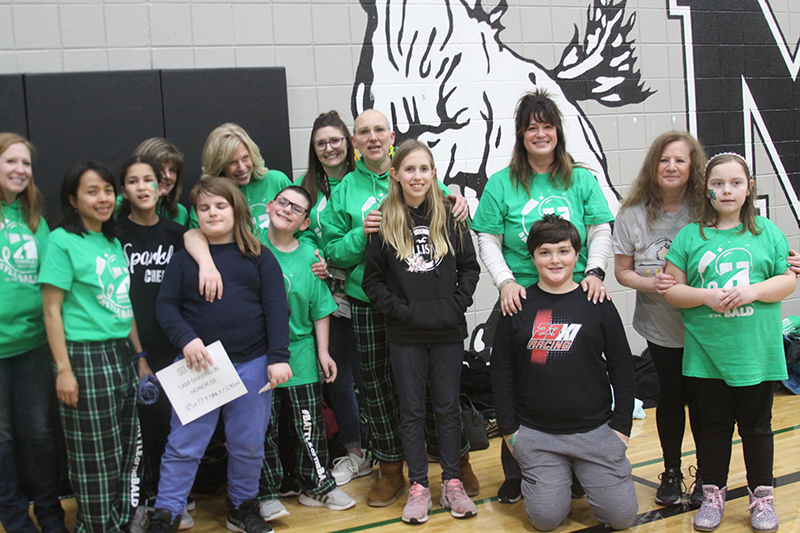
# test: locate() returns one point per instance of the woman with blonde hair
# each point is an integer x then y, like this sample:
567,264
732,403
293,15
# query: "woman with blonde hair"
665,197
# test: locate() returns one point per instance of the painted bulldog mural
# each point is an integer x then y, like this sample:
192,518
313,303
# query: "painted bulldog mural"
442,73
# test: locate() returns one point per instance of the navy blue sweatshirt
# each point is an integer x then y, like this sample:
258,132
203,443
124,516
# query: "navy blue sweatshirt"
423,299
252,318
553,362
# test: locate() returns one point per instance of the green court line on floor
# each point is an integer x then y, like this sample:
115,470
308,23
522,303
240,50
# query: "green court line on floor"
482,501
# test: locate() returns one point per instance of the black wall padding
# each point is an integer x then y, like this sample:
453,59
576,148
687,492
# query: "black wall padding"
97,115
12,104
197,101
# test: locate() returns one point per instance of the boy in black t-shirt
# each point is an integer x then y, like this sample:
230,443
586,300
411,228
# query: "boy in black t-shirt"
553,366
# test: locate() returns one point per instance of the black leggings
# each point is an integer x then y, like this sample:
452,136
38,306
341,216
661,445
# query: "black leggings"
671,410
722,406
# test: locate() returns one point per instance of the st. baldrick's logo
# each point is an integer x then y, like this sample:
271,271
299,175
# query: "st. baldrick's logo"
19,260
725,270
112,275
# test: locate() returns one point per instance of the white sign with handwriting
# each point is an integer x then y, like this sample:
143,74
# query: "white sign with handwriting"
192,393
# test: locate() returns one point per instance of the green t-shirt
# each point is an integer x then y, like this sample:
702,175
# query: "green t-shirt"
309,300
258,194
743,346
506,209
94,275
21,253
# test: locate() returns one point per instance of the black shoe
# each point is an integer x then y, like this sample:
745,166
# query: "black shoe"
289,487
510,491
696,496
246,519
669,493
161,521
577,488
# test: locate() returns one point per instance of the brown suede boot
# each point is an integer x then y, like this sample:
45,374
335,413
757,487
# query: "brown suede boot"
468,478
389,486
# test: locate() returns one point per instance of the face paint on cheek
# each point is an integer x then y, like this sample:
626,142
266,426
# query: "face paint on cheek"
712,194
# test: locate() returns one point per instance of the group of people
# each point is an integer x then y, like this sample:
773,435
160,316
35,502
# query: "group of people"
359,277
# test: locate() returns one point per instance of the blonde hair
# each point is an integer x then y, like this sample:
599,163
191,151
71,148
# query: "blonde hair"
31,198
646,190
747,215
243,228
396,221
220,146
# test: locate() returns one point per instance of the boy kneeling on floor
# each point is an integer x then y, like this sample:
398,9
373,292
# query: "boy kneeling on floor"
553,367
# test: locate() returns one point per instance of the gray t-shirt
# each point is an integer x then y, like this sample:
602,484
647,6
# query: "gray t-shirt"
656,320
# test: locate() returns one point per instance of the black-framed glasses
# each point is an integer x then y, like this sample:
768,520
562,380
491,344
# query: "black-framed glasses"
297,209
335,142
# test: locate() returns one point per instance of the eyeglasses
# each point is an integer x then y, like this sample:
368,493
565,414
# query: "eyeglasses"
297,209
335,142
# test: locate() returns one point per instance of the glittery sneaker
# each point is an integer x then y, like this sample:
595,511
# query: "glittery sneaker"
418,505
455,498
762,510
669,493
710,514
350,467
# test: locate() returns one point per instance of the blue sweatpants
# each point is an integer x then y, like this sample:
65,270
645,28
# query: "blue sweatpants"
246,419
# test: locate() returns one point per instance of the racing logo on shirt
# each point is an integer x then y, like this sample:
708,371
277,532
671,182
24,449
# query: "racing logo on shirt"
422,260
534,210
115,282
726,268
548,337
19,260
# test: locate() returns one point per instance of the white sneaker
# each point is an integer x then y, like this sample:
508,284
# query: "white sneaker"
187,521
350,467
335,500
272,510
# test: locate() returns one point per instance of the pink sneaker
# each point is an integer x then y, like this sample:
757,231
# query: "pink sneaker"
418,505
455,498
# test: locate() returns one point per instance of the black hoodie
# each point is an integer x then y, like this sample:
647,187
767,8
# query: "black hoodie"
423,300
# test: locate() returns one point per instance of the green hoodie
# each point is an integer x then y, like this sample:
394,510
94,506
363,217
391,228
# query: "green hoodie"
342,222
21,253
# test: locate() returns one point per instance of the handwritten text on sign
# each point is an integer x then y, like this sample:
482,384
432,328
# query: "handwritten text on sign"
193,394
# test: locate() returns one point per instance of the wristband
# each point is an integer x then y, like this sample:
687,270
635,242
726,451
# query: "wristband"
596,272
141,355
505,282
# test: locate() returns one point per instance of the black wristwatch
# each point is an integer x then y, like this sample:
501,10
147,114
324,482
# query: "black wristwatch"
596,272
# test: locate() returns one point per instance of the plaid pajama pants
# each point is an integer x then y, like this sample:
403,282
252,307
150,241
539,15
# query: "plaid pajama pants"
304,405
101,435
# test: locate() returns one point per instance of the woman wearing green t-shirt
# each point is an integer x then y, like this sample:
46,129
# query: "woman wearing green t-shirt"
93,338
26,383
541,179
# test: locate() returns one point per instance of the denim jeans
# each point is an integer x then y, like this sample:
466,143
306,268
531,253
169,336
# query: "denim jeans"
27,390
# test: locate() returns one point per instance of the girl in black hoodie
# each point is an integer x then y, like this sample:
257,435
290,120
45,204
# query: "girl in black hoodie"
420,272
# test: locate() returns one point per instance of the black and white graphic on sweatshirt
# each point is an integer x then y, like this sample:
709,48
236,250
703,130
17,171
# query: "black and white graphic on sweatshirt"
422,259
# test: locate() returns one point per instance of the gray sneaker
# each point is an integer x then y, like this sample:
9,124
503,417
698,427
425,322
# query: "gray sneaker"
763,517
335,500
349,467
187,522
272,510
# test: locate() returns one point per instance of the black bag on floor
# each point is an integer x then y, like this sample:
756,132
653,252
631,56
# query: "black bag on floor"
474,425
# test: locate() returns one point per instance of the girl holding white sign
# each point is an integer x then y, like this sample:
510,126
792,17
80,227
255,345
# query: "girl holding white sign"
252,322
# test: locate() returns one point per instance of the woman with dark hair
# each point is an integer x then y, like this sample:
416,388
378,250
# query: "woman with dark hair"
93,338
541,179
26,384
331,156
170,161
664,198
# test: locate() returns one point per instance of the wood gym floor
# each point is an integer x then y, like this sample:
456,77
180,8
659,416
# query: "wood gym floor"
644,453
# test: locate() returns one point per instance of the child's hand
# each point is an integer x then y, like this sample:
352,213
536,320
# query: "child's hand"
196,355
460,206
794,262
737,296
328,366
662,282
279,373
67,388
594,289
510,440
510,296
320,268
210,282
144,368
714,298
373,222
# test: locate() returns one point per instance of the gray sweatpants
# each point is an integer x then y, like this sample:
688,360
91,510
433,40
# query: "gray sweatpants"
598,459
